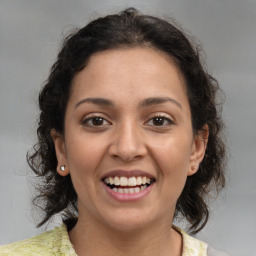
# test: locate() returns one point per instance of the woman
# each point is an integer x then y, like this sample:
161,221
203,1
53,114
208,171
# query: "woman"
128,139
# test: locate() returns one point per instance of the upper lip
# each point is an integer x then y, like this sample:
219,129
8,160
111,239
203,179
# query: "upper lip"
127,173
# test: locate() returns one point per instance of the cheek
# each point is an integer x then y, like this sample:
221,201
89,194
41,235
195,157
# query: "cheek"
173,169
82,161
172,158
83,149
83,156
173,153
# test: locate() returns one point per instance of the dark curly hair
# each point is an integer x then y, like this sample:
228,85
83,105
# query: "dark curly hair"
128,29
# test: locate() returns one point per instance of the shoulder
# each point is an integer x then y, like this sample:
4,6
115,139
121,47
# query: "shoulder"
195,247
54,242
191,245
213,252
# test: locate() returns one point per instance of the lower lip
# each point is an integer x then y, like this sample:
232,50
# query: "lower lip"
122,197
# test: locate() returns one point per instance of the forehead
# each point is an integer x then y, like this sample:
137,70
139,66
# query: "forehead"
131,71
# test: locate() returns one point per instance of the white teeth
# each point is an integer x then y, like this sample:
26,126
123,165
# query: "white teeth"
132,182
136,190
139,180
143,187
124,181
116,181
120,190
129,190
111,181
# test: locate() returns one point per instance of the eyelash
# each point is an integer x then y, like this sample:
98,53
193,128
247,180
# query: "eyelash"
92,118
164,118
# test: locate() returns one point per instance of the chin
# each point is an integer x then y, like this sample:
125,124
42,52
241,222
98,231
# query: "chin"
129,220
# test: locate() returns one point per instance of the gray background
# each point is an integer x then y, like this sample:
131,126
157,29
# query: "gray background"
30,34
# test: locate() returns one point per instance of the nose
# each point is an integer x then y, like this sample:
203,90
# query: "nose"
128,143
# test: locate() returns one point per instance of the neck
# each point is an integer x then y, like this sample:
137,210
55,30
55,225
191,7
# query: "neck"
93,238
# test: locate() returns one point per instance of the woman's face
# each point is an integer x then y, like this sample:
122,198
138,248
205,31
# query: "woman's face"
128,141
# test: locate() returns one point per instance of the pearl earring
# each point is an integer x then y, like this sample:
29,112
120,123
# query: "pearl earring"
62,168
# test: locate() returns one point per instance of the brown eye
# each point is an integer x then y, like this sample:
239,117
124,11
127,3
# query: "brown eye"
96,121
160,121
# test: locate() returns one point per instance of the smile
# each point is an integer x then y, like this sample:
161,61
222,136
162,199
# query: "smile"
125,185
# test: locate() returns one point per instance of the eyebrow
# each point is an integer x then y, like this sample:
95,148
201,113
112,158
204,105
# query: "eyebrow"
145,103
158,100
96,101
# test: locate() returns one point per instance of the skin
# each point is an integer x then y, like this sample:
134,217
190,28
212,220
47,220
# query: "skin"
128,137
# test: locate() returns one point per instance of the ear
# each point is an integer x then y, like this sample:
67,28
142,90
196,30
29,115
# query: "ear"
61,154
198,149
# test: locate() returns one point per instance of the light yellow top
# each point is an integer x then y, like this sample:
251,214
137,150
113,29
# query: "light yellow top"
56,243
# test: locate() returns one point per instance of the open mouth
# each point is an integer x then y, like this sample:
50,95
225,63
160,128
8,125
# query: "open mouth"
131,185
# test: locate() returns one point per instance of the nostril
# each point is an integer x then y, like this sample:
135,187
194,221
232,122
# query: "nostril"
128,144
127,158
128,155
